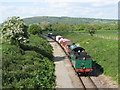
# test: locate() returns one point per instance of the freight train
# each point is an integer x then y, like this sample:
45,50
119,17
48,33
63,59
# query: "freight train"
81,61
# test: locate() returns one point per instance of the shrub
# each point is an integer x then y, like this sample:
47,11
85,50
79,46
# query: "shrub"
34,29
30,66
14,31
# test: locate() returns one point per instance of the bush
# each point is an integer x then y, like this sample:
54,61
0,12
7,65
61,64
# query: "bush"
34,29
30,66
14,31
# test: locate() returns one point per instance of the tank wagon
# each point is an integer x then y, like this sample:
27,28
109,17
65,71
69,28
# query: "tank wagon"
81,61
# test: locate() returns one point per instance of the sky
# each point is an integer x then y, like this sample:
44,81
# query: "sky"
105,9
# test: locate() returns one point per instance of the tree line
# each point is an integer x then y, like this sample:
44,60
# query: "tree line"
90,28
68,20
79,27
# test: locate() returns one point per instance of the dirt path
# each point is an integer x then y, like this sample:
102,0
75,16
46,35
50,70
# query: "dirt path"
103,81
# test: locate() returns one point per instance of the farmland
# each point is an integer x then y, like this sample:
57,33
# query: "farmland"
106,34
113,34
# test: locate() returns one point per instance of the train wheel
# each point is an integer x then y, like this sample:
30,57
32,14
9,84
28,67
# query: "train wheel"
86,73
79,73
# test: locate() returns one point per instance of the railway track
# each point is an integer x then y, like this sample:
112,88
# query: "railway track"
86,81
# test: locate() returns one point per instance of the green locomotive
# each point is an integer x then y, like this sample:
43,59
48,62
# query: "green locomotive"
81,61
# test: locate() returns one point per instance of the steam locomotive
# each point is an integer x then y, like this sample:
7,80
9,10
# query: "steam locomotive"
81,61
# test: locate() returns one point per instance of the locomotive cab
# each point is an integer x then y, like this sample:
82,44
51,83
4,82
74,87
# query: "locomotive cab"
78,50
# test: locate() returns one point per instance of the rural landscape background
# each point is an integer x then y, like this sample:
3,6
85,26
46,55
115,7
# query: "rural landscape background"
27,57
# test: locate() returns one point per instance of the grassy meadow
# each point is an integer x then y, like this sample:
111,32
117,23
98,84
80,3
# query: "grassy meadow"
108,33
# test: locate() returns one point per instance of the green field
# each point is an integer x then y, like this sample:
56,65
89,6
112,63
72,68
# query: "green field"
106,33
112,33
109,33
104,52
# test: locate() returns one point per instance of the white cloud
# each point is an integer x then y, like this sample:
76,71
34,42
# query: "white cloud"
113,2
51,1
17,0
23,11
82,1
60,8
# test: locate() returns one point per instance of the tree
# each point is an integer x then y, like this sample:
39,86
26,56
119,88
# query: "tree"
43,25
80,27
71,27
49,27
14,31
90,28
34,29
97,27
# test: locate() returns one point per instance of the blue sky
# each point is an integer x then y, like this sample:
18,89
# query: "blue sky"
106,9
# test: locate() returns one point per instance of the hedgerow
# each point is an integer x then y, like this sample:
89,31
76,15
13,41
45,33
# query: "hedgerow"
28,66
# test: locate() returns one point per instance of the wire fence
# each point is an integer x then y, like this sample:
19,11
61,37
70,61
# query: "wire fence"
105,37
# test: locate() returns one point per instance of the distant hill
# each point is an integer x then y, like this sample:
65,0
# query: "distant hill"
68,20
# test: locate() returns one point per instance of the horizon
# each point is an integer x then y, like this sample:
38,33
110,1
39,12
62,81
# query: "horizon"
72,17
